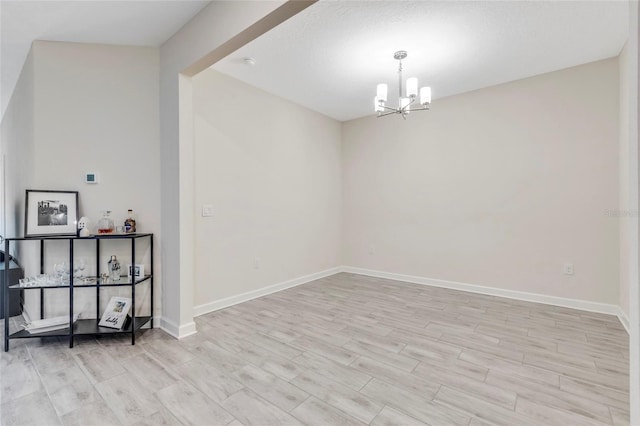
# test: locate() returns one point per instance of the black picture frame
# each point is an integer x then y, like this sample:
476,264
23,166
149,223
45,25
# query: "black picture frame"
50,213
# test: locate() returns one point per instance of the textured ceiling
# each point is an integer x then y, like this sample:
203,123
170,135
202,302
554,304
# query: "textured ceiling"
330,57
139,23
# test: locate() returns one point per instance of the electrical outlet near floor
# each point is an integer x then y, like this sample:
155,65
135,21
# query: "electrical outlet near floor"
567,269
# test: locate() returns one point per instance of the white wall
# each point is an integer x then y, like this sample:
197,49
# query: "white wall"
627,211
96,109
629,203
17,146
215,27
497,187
273,176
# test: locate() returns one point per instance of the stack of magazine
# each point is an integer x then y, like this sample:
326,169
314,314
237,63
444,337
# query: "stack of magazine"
49,324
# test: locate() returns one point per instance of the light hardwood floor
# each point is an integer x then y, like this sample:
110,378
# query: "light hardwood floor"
343,350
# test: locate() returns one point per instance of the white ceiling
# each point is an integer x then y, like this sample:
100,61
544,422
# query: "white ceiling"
138,23
330,57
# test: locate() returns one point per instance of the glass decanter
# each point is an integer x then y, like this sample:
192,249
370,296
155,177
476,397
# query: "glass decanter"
105,224
114,268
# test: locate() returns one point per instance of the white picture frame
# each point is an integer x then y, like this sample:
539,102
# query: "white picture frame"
139,271
115,316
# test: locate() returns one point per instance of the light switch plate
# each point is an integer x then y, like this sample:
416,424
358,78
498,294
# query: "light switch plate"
207,210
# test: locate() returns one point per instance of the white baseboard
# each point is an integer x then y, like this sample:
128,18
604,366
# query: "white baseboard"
583,305
244,297
179,332
624,319
157,322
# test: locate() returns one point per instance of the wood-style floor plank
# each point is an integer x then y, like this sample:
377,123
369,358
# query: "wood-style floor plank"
343,350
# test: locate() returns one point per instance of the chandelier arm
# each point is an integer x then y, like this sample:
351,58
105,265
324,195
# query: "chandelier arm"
425,108
388,113
419,109
389,108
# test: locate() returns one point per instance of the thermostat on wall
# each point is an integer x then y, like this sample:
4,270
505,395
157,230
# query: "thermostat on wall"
91,177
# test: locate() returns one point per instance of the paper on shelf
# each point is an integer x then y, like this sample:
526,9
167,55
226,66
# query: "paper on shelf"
49,324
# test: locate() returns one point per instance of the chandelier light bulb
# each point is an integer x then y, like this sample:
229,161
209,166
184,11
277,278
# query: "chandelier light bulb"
425,95
378,105
382,92
412,87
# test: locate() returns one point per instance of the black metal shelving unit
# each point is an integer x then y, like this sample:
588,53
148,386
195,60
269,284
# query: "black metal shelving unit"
81,327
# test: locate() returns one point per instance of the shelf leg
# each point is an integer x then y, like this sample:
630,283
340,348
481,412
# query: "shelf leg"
5,292
42,272
98,275
151,281
133,291
71,293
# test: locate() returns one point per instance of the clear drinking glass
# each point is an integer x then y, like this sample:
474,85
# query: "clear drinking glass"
82,265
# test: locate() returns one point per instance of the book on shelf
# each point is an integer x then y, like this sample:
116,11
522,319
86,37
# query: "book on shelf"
115,316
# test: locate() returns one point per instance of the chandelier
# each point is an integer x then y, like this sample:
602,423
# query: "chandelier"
404,102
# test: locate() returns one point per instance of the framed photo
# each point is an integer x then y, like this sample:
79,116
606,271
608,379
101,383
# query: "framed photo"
115,316
139,268
49,213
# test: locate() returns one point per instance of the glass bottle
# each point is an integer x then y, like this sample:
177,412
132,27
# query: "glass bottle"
105,224
130,223
114,268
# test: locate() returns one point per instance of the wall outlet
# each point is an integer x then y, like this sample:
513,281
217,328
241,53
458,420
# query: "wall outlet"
567,269
371,249
207,210
256,263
